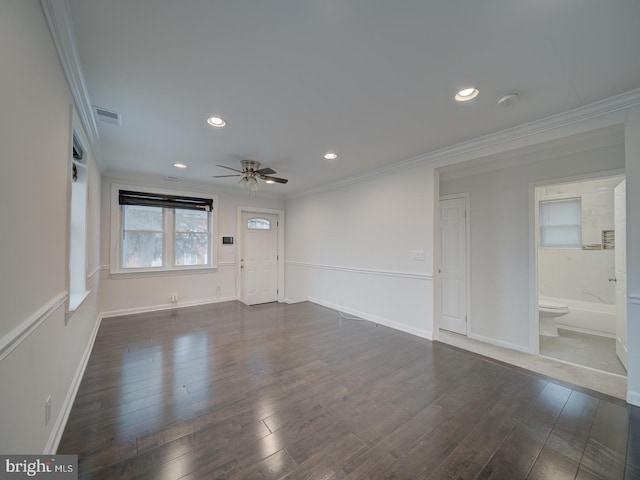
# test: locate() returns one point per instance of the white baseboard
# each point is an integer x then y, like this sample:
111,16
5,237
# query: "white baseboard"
61,422
291,301
633,398
499,343
375,319
165,306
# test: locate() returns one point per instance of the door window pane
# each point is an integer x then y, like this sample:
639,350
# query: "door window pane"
258,224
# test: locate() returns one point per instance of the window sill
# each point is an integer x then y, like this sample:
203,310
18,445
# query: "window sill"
76,299
160,273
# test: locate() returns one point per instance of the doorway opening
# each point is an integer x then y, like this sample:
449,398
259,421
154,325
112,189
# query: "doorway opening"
580,253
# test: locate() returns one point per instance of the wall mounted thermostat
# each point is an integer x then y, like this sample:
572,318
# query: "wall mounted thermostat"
227,240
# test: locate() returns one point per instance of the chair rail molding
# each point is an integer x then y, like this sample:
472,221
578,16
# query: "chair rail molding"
363,271
17,335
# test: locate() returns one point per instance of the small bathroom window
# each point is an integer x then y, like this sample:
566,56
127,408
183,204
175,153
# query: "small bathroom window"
561,223
258,224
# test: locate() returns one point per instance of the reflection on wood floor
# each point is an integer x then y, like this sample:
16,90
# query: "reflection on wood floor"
295,391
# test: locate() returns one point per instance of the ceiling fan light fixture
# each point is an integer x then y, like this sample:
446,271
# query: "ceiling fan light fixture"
253,183
467,94
243,182
216,122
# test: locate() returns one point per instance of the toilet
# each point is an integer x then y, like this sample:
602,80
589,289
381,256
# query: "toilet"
549,311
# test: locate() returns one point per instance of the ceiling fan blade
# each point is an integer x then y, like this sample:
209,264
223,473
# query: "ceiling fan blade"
274,179
229,168
265,171
223,176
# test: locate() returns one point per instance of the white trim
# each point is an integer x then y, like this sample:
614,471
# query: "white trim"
75,300
633,299
467,226
19,334
375,319
499,343
63,416
163,273
165,306
61,28
633,398
508,139
290,301
95,271
240,209
364,271
227,264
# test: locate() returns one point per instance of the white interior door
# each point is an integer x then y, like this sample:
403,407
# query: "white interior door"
259,258
620,213
453,261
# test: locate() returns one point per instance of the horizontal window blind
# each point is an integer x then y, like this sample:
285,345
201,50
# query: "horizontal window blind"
127,197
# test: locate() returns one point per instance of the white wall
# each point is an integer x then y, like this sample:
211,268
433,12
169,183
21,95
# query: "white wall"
40,353
500,240
135,293
351,248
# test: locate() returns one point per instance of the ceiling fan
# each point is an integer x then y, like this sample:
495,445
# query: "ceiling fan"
251,170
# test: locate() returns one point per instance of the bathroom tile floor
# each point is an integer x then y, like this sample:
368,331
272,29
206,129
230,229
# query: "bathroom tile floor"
589,350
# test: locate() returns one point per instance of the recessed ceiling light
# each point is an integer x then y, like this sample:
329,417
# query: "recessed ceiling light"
467,94
216,122
179,165
268,180
330,156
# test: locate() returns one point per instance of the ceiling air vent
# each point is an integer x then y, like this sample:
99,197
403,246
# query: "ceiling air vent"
107,116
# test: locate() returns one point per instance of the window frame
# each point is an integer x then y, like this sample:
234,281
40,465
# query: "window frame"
541,226
169,266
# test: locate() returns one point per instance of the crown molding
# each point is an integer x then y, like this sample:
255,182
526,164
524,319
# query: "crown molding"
61,28
511,138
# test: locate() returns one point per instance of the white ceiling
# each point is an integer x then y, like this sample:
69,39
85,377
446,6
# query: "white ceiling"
371,80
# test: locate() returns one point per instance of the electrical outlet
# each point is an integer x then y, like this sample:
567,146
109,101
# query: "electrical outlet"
174,298
47,410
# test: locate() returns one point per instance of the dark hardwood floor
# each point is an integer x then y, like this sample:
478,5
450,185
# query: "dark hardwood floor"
297,392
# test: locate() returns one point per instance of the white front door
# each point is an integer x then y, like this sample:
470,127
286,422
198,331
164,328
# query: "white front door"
259,258
453,265
620,214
